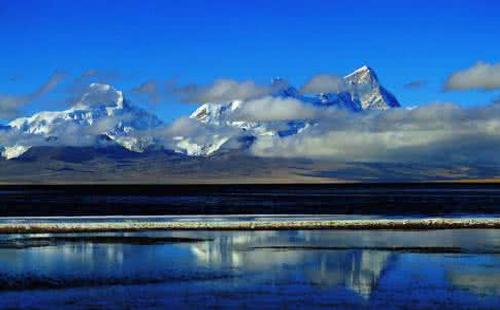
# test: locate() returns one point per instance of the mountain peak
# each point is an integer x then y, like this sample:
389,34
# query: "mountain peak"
363,68
365,87
100,86
100,95
362,75
282,88
101,112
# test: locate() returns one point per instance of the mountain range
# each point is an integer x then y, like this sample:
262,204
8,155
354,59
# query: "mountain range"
105,138
104,118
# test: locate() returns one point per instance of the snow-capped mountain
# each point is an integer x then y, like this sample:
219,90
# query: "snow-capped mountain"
103,116
366,90
362,92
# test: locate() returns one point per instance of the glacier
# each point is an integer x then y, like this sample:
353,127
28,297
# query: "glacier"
103,117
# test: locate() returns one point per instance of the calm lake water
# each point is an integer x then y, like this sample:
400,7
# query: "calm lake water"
259,269
357,199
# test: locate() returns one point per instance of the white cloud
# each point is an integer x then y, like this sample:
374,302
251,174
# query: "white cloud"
324,83
66,133
480,76
191,135
275,109
439,132
222,90
417,84
150,90
10,104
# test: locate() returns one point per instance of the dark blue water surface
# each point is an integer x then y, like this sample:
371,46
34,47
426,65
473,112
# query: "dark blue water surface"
262,269
359,199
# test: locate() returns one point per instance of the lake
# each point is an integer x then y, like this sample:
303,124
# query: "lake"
358,199
330,268
266,269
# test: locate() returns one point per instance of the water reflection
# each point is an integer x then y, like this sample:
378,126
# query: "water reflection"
357,270
87,260
481,283
337,265
477,274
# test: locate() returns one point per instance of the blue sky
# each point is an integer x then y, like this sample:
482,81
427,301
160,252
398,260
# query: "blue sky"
198,41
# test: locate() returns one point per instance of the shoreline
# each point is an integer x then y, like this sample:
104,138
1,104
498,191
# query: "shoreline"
369,224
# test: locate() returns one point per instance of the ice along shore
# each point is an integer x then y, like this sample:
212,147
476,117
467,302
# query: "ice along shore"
138,225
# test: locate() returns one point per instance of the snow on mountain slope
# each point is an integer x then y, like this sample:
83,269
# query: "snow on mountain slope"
101,113
363,93
191,148
10,152
364,87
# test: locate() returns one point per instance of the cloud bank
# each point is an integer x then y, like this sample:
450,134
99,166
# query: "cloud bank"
324,83
481,76
10,104
435,133
275,109
418,84
221,90
150,89
442,133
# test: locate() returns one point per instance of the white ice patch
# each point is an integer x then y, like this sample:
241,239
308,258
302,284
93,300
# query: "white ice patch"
15,151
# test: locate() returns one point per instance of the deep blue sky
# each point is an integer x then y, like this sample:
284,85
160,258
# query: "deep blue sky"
198,41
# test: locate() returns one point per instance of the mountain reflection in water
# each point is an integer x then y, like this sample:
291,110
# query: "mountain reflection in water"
357,270
273,268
